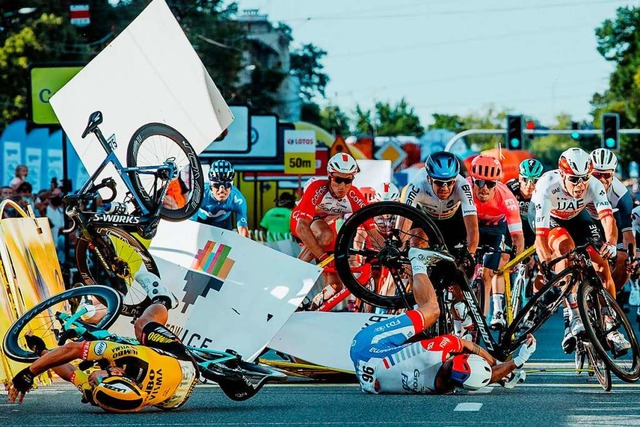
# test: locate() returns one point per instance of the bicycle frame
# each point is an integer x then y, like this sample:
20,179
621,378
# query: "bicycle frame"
505,271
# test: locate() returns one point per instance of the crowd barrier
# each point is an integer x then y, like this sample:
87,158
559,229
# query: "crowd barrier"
281,242
30,272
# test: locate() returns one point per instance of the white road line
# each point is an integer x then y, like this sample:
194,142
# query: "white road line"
468,407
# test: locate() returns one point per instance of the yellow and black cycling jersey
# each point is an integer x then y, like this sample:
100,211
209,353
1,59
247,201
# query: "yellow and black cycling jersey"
166,381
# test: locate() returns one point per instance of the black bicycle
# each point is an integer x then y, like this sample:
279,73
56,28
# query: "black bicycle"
599,311
163,180
84,313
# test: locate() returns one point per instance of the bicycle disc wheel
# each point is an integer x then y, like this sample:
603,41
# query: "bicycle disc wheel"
593,302
152,145
399,228
540,308
103,304
600,369
125,256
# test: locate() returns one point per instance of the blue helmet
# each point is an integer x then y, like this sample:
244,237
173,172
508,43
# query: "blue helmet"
442,165
221,170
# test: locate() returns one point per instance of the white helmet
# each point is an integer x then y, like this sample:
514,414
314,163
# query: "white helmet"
470,371
575,161
342,163
604,159
387,192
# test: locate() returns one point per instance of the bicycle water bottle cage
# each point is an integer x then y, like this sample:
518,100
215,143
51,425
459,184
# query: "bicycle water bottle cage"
95,119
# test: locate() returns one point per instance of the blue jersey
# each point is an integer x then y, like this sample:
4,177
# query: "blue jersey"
214,212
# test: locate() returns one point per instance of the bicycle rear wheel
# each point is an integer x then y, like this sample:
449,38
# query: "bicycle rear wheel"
400,227
125,255
102,305
152,145
600,369
593,302
540,308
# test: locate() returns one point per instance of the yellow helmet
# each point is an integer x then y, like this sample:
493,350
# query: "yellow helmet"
118,394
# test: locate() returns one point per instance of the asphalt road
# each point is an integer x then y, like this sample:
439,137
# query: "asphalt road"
553,394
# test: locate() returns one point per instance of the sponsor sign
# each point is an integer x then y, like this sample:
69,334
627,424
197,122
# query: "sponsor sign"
299,152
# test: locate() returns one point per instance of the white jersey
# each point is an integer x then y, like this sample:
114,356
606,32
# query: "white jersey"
420,191
635,216
615,192
550,200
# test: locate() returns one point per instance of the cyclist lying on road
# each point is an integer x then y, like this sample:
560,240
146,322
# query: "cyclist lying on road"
160,372
386,361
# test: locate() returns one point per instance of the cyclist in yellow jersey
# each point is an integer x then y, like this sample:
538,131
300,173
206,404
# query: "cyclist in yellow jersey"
159,372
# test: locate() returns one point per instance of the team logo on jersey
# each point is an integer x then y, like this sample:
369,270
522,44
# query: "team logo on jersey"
100,348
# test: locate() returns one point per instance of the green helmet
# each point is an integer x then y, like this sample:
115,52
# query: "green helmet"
530,168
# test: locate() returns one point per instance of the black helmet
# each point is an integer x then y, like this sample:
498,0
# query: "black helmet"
221,170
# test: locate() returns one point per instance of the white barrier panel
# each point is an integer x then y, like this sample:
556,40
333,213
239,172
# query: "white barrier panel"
233,292
323,338
149,73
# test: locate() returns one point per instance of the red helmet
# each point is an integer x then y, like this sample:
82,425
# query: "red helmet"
486,167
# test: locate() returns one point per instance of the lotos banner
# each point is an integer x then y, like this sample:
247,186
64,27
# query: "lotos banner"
232,292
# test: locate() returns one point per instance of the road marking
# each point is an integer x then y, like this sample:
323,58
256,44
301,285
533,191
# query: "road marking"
468,407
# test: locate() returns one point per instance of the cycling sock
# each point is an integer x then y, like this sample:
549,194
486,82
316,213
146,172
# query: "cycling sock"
573,305
498,303
566,314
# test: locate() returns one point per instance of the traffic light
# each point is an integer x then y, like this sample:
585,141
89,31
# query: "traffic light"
575,127
610,125
514,133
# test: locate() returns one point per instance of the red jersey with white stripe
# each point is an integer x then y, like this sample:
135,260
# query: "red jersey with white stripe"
317,201
503,205
550,199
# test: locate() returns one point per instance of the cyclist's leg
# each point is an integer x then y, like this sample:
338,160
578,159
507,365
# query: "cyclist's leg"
494,235
162,300
423,290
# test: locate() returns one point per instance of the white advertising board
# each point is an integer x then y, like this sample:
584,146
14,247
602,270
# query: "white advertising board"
232,292
237,139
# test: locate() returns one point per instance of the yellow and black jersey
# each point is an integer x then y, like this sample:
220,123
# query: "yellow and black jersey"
166,381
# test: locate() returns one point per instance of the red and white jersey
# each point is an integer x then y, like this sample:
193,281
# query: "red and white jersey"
317,201
551,200
503,205
420,191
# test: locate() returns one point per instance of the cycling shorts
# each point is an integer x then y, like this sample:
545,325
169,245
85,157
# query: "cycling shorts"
581,227
454,231
497,236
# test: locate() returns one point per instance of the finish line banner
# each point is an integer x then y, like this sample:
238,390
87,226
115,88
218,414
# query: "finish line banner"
232,292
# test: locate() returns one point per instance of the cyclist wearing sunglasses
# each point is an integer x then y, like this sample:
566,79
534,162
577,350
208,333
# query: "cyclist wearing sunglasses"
500,226
561,222
522,188
604,168
223,200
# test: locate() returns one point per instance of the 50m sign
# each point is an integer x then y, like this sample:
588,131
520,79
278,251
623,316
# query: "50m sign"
299,152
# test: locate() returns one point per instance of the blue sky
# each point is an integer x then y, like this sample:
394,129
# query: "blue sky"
535,57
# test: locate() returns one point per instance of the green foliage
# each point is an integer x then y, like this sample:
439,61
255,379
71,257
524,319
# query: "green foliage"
334,120
388,120
306,64
619,42
363,121
453,123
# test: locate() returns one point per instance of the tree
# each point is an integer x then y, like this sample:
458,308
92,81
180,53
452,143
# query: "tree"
363,121
548,148
306,64
619,42
388,120
333,119
445,121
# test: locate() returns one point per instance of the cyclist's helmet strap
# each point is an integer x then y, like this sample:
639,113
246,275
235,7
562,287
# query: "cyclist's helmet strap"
442,165
118,394
221,170
486,167
604,159
531,168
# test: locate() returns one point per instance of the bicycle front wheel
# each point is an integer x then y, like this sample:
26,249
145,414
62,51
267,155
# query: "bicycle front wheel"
124,256
152,145
100,304
600,369
602,317
398,227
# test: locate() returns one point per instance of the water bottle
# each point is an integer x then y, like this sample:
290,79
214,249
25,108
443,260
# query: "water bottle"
115,208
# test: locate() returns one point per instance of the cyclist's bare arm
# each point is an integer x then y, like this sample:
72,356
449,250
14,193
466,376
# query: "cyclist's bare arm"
518,242
243,231
473,235
610,229
58,357
304,232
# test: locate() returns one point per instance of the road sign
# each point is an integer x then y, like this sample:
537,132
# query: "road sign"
299,152
339,146
392,152
45,81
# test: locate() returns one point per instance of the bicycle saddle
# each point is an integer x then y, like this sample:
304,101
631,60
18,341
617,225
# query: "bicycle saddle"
94,121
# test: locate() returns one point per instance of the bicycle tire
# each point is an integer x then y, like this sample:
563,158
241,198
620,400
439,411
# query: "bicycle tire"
393,253
44,327
187,163
590,306
126,254
539,309
600,369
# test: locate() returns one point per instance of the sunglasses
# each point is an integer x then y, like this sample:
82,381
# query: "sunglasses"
578,179
528,180
339,180
605,175
218,184
484,183
441,183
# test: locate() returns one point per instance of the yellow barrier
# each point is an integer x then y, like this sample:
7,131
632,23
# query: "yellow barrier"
30,271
